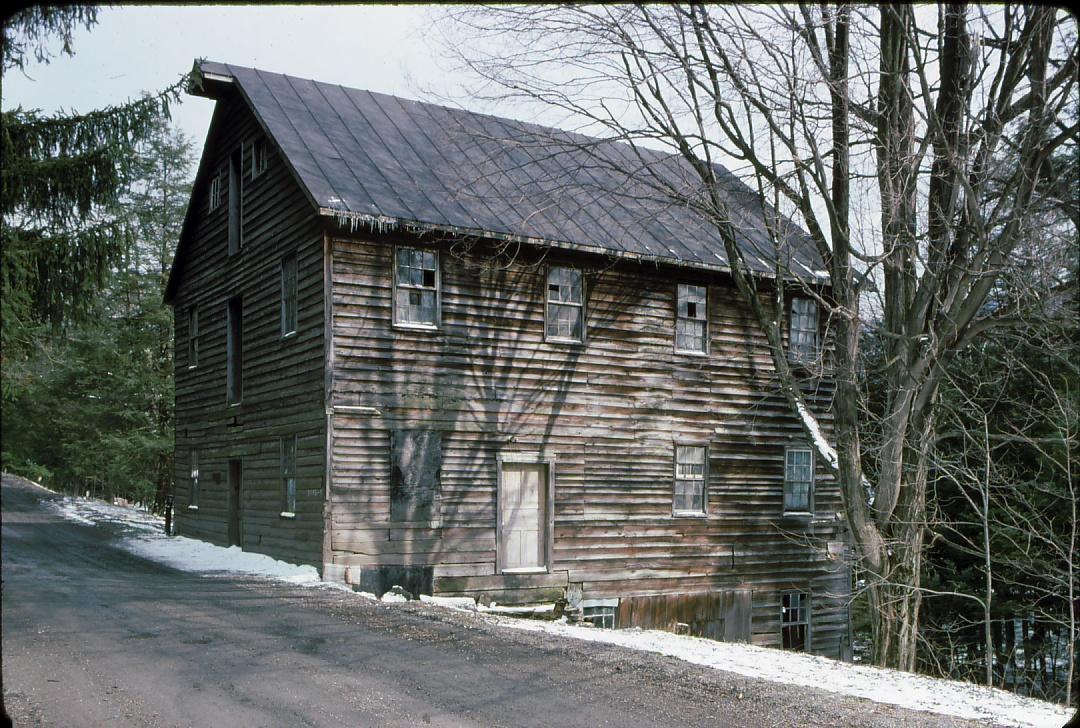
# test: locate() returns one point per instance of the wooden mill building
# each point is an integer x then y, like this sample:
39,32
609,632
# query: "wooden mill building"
473,356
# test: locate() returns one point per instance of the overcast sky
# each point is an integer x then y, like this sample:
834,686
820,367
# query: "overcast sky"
377,47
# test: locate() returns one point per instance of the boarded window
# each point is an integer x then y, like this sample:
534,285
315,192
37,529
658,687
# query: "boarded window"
234,352
691,322
288,475
565,308
288,295
689,496
193,493
416,287
798,480
795,621
803,338
193,337
416,471
236,201
258,157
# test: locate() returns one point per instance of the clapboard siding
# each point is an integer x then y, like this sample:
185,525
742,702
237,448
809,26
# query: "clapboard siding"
283,378
608,412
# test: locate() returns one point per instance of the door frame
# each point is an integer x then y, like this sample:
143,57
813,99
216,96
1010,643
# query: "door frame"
548,525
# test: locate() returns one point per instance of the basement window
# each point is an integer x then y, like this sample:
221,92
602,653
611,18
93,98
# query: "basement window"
288,295
798,480
795,621
600,612
690,479
416,288
288,476
691,321
565,314
803,341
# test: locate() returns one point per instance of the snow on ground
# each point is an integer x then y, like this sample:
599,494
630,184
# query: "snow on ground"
145,537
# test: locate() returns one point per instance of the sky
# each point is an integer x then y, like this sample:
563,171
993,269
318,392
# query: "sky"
384,48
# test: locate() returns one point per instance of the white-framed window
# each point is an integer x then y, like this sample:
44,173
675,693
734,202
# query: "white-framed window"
288,475
193,492
288,295
193,337
798,480
691,319
215,191
258,156
795,620
416,287
691,477
803,343
565,312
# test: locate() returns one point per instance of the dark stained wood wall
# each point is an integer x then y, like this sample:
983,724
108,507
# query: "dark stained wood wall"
609,412
283,378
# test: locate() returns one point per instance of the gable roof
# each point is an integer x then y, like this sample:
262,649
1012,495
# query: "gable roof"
375,160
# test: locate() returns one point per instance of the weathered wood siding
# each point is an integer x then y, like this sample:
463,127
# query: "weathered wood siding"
283,378
609,412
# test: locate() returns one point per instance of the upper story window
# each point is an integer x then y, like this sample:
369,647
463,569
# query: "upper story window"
565,315
416,287
193,337
258,156
215,192
795,620
690,480
803,344
288,475
236,201
691,321
193,493
234,351
798,480
288,295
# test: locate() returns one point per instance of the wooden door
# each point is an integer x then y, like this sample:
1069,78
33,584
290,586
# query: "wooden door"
236,476
522,521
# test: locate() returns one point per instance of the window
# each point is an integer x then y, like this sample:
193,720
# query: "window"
416,287
600,612
236,202
258,157
565,314
234,351
798,480
215,192
288,475
795,621
690,471
691,321
193,493
193,337
288,295
803,337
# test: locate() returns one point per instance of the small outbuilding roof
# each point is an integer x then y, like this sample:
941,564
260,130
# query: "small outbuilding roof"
387,162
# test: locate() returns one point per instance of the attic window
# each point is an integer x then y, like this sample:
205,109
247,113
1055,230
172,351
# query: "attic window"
215,192
416,288
258,157
565,305
803,335
691,321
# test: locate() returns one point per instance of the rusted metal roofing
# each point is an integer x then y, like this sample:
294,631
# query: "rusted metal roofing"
375,160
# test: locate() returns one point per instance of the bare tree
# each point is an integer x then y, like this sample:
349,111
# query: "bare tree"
873,128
